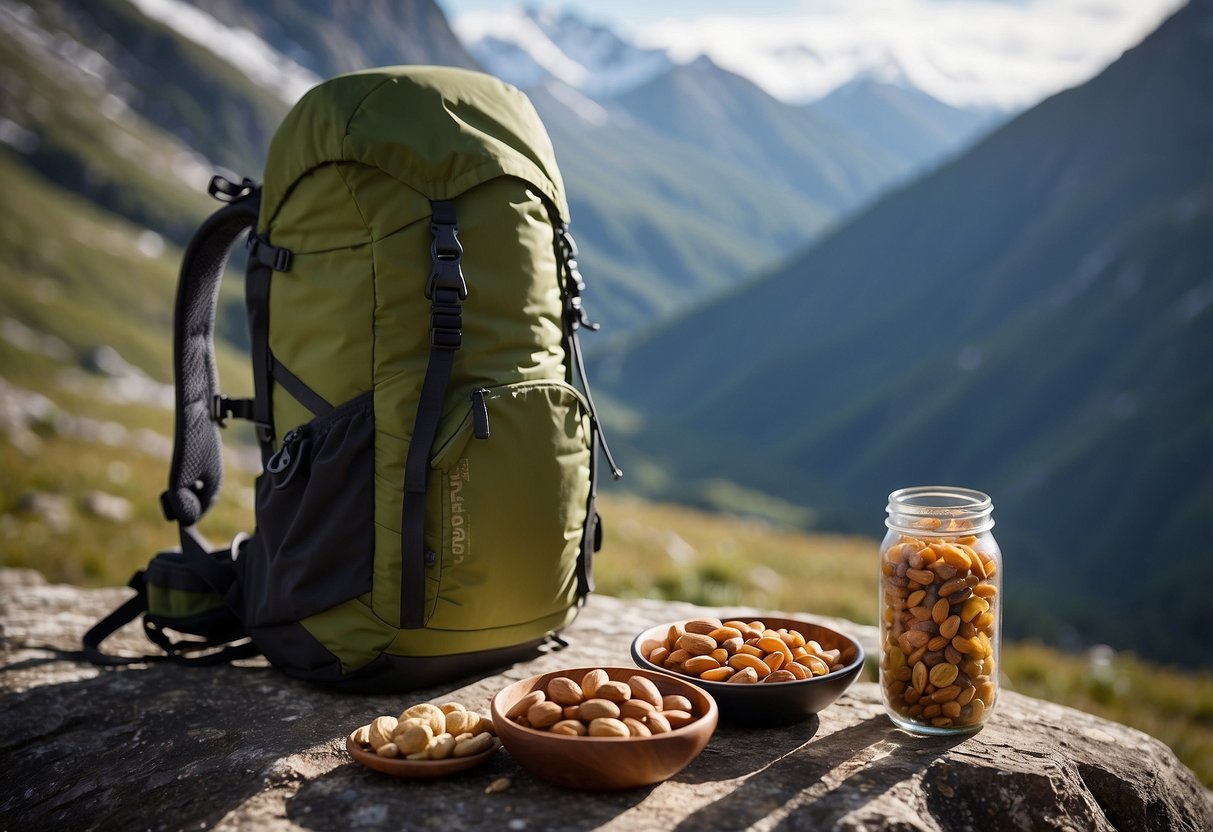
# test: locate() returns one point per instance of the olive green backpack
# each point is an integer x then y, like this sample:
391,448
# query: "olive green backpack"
427,504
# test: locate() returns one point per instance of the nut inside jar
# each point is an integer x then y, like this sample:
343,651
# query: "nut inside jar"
939,633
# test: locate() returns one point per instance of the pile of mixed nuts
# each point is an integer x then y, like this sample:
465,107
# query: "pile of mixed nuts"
428,732
741,652
597,706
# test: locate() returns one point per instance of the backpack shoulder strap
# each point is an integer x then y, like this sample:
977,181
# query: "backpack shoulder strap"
196,471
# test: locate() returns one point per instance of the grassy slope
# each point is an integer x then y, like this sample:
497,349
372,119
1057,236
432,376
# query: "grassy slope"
76,277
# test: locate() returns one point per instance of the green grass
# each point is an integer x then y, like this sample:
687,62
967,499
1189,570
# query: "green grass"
75,279
655,550
1176,706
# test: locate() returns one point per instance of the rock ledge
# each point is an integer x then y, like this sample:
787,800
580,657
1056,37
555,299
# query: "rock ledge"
163,747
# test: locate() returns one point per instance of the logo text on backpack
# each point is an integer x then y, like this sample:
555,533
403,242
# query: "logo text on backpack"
460,542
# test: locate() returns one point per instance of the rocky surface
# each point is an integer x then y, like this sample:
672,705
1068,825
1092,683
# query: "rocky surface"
163,747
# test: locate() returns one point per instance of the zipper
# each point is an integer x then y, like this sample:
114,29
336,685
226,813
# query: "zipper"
480,414
285,458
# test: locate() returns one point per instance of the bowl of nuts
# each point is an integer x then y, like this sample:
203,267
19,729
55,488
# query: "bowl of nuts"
760,672
424,741
604,728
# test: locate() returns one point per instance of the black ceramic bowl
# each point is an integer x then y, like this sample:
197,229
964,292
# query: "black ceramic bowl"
772,703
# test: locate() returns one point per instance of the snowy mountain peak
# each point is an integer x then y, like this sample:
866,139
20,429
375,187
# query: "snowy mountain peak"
527,47
978,55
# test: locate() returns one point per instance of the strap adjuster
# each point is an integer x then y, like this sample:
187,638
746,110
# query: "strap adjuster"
276,257
446,320
166,507
574,311
223,408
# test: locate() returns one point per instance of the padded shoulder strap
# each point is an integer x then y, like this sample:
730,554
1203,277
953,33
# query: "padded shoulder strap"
197,467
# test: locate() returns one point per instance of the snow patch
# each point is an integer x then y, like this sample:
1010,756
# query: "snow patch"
583,107
527,48
240,47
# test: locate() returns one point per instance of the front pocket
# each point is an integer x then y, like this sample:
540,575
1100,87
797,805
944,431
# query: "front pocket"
314,543
507,507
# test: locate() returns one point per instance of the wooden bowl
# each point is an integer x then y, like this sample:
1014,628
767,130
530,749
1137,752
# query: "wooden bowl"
774,703
605,763
414,769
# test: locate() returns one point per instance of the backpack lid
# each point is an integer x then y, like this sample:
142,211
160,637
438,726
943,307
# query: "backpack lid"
440,130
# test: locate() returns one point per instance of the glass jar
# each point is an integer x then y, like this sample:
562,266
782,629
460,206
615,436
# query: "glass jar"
940,615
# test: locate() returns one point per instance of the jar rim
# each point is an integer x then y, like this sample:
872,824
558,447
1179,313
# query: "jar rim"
941,502
949,497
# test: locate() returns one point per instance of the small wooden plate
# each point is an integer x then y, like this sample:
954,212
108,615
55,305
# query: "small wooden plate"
397,767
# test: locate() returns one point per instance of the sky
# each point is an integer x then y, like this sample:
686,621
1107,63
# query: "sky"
1007,54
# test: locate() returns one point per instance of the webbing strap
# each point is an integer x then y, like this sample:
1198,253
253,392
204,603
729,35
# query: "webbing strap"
574,317
298,389
446,290
257,305
106,627
188,650
183,651
196,471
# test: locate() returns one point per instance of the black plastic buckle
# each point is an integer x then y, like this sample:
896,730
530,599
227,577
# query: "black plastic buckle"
220,409
223,408
447,274
446,245
276,257
447,252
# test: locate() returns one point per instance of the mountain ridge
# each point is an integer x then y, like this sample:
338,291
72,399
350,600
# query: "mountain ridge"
704,106
984,342
902,126
904,121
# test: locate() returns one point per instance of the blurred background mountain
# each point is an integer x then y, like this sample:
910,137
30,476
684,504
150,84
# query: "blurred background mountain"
826,267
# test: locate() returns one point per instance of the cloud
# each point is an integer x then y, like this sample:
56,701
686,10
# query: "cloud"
981,53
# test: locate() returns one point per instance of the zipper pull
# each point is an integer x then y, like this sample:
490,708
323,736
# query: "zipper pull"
281,460
480,414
